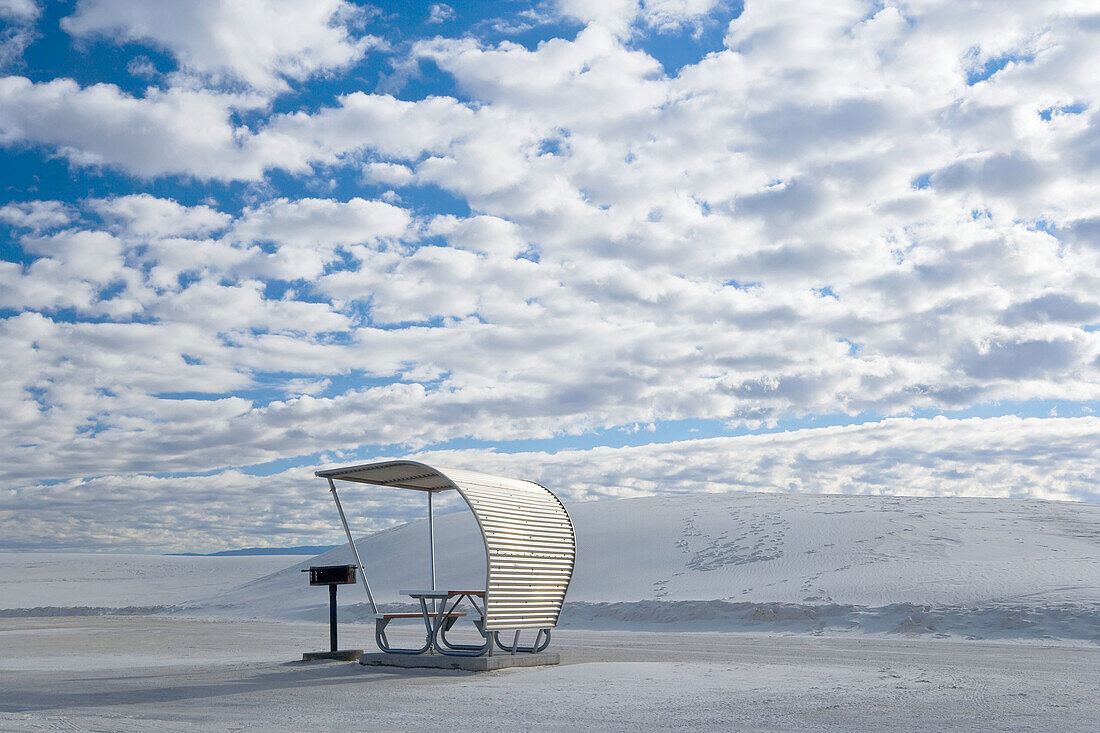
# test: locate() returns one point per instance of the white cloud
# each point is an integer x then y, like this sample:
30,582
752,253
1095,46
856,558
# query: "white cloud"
1021,457
144,215
622,17
308,232
20,10
613,15
218,308
489,235
592,79
672,14
1050,458
390,174
191,132
440,13
71,270
322,223
261,43
37,215
17,32
174,131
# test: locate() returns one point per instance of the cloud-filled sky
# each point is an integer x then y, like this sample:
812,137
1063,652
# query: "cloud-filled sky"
620,248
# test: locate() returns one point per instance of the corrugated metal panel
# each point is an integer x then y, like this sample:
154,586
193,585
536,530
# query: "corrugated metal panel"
531,546
529,540
401,474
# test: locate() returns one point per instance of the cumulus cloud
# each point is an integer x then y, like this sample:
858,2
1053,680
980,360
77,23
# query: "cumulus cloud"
17,19
144,215
440,13
36,215
165,132
19,9
191,132
1020,457
260,43
1050,458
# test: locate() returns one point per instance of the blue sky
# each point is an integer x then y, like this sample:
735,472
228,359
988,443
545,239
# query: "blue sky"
622,248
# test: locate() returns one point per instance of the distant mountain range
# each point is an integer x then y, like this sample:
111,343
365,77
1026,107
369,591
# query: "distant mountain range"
300,550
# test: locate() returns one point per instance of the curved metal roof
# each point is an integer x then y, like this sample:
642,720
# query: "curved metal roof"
530,545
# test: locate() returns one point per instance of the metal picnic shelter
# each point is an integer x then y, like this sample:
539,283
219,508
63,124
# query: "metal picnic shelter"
530,551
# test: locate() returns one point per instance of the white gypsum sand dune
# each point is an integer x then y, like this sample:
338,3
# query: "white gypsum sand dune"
985,568
54,580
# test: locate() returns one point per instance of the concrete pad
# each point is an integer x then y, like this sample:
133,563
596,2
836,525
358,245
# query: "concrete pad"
344,655
473,664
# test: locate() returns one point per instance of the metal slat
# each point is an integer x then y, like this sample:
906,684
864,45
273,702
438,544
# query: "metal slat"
501,599
534,531
531,534
544,501
505,544
527,558
540,513
502,569
524,608
503,555
527,530
538,523
532,538
522,544
504,626
535,518
540,506
552,550
545,542
547,585
528,527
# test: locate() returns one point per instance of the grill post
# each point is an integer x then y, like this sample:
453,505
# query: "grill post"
332,617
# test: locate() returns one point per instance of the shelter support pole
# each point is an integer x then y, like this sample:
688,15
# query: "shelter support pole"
431,542
431,538
351,543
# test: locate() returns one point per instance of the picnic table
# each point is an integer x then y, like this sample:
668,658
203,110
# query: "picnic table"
437,622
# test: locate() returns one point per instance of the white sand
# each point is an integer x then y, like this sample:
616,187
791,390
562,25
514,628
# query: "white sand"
183,675
853,613
58,580
984,568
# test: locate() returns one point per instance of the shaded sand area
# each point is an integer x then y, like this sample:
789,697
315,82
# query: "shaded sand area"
157,673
